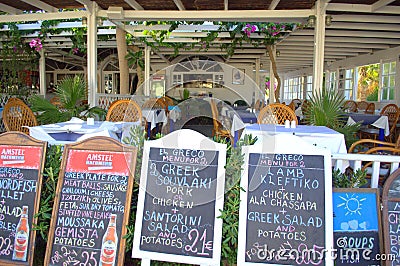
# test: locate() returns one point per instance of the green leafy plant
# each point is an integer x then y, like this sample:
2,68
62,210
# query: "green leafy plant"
71,92
136,138
48,192
349,179
230,213
325,108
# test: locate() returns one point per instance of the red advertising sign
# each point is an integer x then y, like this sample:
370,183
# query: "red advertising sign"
26,157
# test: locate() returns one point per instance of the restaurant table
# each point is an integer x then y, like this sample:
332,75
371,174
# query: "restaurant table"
153,118
318,136
379,121
239,117
77,130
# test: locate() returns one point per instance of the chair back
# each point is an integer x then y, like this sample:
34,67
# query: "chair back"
392,112
362,106
17,115
154,103
350,106
297,103
124,110
276,113
218,129
370,109
259,105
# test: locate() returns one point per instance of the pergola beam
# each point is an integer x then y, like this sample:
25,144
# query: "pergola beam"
216,15
40,5
360,8
179,4
273,4
135,5
10,10
366,18
379,4
43,16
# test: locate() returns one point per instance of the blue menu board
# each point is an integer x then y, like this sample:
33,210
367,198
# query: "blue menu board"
356,226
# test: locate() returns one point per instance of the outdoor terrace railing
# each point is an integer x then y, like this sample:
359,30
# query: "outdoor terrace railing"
356,161
103,100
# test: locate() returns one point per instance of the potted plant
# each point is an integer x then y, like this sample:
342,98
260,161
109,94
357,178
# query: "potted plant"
325,108
71,95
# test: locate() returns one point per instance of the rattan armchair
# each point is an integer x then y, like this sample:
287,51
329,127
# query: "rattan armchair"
393,113
350,106
276,113
372,146
124,110
218,129
17,116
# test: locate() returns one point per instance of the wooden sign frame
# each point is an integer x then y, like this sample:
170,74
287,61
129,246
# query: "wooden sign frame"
184,139
385,212
285,144
378,211
102,145
18,139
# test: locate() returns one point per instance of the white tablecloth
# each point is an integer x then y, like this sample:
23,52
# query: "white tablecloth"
318,136
381,122
155,116
77,130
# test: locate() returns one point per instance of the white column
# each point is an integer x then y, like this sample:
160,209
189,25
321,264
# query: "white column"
147,70
319,45
92,54
42,73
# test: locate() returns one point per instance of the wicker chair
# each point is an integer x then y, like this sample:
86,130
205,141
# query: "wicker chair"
276,113
370,146
350,106
392,112
362,106
17,116
259,105
154,103
370,109
218,130
124,110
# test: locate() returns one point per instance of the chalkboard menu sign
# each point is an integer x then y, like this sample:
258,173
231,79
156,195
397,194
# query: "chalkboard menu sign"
21,166
391,219
179,201
285,203
356,226
92,204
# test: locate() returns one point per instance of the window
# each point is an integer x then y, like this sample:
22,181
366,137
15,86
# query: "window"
388,81
308,86
346,83
292,88
331,82
368,82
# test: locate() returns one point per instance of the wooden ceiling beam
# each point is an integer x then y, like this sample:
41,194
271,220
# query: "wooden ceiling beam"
135,5
379,4
360,8
273,4
298,15
180,5
41,5
9,9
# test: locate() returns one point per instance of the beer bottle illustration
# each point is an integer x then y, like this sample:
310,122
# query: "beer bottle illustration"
109,244
21,237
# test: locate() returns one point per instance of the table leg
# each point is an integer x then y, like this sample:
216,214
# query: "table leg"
148,130
235,138
171,125
381,134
